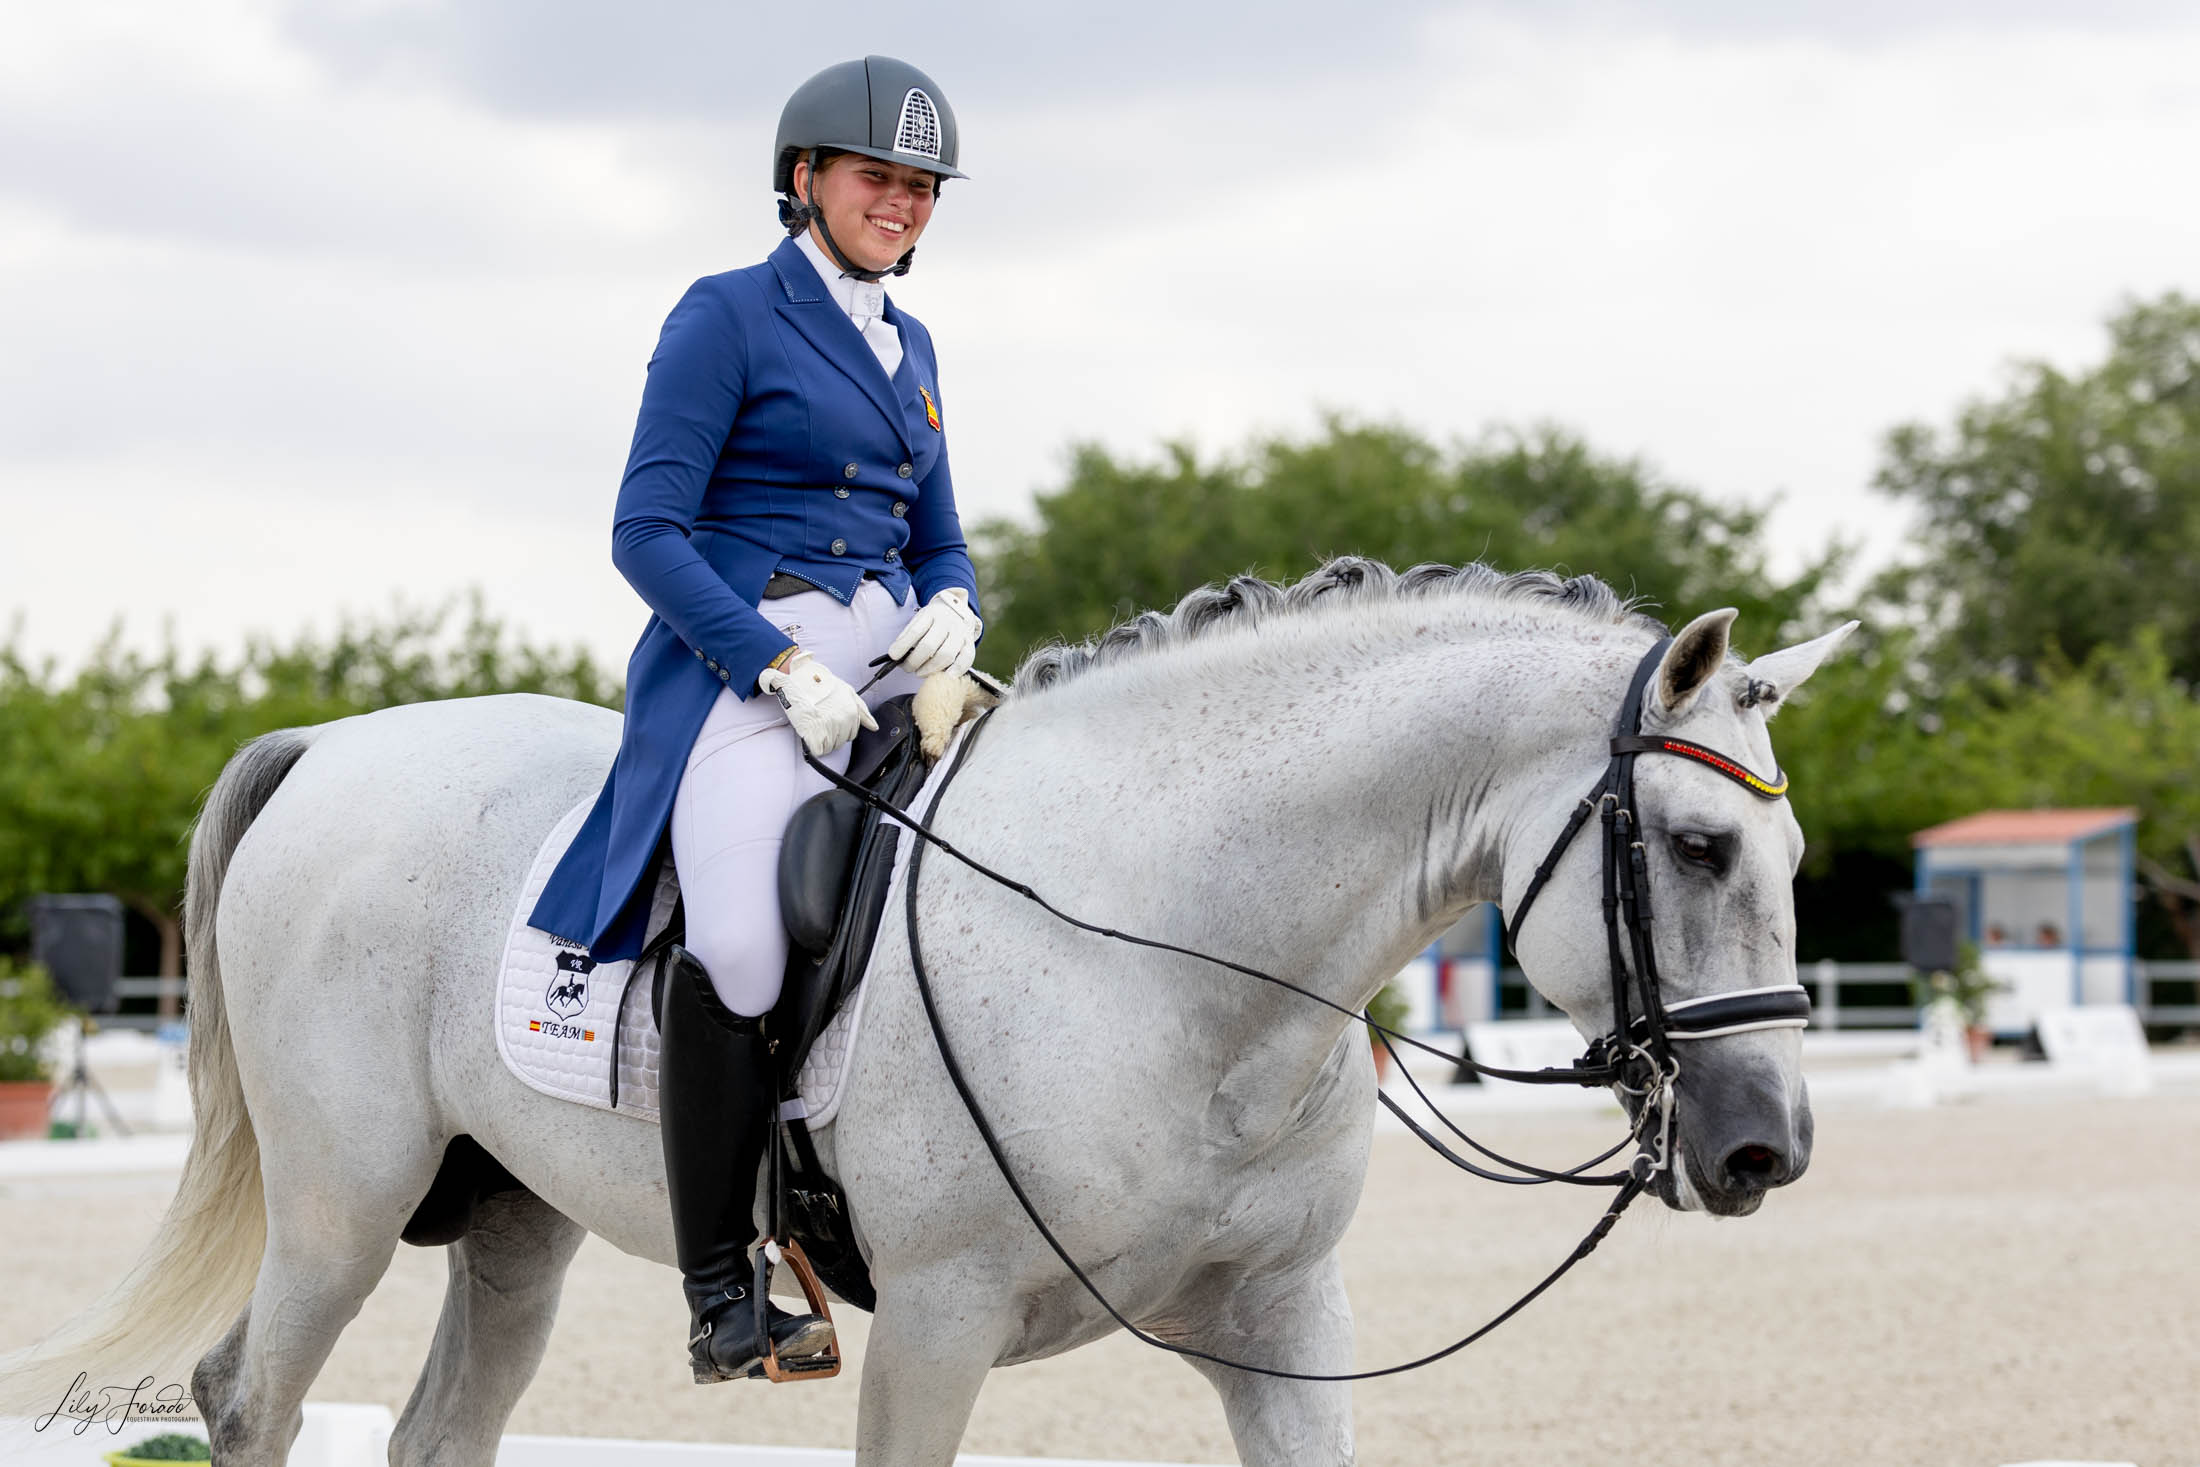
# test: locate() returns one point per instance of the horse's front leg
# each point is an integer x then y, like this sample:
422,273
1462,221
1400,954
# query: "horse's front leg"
932,1340
1298,1321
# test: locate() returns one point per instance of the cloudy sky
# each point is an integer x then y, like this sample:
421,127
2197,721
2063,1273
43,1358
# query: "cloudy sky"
306,306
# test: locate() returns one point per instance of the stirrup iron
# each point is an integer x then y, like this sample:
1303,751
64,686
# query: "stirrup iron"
822,1366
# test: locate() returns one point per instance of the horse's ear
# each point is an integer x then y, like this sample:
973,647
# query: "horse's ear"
1773,676
1695,657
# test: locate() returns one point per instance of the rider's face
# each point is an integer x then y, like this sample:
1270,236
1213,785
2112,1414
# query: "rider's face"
875,209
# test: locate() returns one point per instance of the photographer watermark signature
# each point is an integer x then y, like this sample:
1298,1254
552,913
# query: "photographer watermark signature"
116,1406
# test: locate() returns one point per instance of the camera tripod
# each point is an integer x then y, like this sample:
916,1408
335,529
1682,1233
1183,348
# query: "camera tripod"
81,1084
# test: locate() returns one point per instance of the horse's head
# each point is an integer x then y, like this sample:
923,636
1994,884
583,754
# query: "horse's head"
1720,851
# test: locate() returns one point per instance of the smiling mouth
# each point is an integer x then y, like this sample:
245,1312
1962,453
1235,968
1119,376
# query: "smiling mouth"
892,228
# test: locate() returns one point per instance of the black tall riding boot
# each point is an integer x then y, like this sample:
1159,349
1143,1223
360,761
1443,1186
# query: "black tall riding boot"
715,1105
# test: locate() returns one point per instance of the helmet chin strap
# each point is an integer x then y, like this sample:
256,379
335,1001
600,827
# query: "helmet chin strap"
796,216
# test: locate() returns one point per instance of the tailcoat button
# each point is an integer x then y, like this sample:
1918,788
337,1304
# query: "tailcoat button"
840,494
892,554
901,508
849,472
724,676
904,471
840,547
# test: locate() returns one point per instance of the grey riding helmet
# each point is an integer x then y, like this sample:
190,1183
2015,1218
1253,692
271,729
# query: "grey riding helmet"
878,107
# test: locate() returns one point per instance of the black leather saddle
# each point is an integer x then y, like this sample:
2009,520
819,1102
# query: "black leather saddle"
833,871
834,866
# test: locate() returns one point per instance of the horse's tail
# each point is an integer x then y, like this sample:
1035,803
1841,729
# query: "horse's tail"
197,1272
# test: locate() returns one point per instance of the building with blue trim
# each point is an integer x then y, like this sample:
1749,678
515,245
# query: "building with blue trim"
2047,896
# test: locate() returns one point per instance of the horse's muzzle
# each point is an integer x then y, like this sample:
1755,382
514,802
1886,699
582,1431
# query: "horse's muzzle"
1742,1132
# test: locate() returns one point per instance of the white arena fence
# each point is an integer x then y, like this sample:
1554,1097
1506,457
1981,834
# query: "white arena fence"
339,1434
2167,997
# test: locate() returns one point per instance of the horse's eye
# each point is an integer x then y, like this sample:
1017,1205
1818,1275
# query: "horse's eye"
1701,849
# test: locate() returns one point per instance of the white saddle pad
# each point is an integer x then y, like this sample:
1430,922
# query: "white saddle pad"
564,1020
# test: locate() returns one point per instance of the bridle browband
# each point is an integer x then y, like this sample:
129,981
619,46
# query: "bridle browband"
1637,1052
1635,1058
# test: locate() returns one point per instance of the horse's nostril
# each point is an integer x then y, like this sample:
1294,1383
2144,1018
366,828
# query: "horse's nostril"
1755,1164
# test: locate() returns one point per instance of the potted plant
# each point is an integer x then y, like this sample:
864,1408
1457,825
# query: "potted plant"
29,1011
1389,1009
171,1446
1965,988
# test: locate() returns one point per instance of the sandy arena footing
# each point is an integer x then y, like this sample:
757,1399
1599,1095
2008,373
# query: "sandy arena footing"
1988,1283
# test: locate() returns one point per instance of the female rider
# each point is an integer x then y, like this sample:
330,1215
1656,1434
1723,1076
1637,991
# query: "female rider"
787,516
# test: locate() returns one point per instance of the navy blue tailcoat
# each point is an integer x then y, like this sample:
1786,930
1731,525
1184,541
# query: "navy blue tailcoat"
770,438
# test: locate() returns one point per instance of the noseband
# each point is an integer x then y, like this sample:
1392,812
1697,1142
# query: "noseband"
1637,1054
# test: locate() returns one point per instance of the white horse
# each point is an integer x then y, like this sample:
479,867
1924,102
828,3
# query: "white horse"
1316,781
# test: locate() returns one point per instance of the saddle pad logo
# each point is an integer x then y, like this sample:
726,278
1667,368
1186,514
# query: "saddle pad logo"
931,408
568,993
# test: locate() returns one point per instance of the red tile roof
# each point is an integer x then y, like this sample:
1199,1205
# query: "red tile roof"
2025,827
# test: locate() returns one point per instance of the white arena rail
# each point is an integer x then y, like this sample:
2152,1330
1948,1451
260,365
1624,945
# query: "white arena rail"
344,1435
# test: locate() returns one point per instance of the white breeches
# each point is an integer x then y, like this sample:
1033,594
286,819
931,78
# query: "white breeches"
745,776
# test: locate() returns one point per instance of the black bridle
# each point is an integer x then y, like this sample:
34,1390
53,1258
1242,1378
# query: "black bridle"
1636,1057
1636,1054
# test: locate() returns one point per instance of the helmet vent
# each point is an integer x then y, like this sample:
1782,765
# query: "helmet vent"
919,132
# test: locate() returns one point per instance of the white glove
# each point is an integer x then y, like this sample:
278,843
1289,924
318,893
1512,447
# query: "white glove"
941,637
824,710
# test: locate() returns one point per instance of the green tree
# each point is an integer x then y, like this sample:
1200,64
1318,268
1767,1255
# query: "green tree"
102,771
1876,754
30,1010
2121,729
2062,515
1120,536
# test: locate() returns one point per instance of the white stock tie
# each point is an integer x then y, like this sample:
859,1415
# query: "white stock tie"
867,309
865,303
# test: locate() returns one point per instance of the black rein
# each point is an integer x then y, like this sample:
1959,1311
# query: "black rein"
1636,1057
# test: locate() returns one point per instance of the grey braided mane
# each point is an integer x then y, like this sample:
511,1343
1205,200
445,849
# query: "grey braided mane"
1349,579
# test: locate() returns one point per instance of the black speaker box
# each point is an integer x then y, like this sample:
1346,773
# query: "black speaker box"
1929,934
78,939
